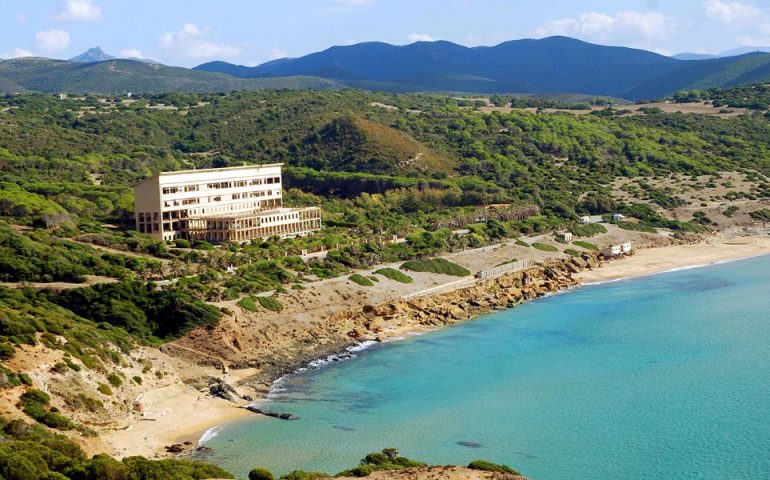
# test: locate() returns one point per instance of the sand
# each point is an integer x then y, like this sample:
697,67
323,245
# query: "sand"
655,260
174,414
180,413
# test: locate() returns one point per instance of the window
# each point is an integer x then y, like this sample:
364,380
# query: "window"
169,190
191,188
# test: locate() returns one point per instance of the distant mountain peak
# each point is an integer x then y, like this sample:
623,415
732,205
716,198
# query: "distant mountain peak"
92,55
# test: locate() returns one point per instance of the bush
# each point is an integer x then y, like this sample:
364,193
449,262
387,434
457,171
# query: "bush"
436,265
394,274
114,379
522,243
361,280
303,475
572,252
545,247
491,467
761,215
588,229
247,303
34,403
361,471
586,245
104,389
271,303
137,379
636,227
260,474
181,243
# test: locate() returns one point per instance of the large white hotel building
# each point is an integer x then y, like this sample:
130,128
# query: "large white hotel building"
220,205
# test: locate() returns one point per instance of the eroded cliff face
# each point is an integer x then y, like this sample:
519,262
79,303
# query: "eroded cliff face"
279,344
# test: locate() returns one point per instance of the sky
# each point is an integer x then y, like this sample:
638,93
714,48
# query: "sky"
250,32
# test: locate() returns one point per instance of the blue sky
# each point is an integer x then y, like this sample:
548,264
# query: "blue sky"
249,32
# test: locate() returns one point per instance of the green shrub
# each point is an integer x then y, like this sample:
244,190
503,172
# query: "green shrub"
761,215
260,474
545,247
586,245
247,303
491,467
137,379
6,351
572,252
394,274
436,265
522,243
34,403
114,379
376,459
271,303
588,229
181,243
361,471
104,389
303,475
636,227
360,280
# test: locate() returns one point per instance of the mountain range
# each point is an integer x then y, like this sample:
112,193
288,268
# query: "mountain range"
554,64
549,65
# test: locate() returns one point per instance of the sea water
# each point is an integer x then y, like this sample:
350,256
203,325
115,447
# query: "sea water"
666,376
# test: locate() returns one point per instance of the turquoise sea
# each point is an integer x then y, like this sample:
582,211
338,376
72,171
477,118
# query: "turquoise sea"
666,376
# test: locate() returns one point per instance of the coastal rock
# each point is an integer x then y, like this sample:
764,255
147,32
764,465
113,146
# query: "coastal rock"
267,413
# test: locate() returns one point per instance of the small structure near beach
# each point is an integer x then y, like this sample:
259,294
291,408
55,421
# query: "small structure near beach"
591,219
564,236
615,251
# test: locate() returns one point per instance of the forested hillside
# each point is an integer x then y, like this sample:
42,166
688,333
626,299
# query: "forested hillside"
377,164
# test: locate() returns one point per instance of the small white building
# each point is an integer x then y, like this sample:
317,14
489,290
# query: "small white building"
565,236
618,250
220,205
618,217
591,219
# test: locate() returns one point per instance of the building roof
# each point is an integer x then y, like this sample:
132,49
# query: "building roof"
204,170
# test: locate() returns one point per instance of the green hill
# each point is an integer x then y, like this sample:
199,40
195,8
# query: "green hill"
351,143
704,74
53,76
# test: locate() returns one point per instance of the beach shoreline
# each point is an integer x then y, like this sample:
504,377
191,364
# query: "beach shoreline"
177,426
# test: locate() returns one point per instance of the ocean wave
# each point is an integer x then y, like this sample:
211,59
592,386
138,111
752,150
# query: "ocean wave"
210,433
278,388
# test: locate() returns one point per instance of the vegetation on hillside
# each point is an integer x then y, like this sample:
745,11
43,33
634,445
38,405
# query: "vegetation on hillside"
436,265
32,452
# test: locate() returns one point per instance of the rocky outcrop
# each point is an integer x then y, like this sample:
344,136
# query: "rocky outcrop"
277,346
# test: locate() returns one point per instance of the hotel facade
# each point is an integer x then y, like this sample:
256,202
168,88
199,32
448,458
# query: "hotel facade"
219,205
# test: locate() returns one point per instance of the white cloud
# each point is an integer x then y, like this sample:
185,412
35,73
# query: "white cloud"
17,53
51,41
420,37
760,38
277,53
731,12
78,11
131,53
191,43
627,25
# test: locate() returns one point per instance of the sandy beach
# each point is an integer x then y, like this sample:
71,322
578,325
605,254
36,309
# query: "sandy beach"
175,414
656,260
179,413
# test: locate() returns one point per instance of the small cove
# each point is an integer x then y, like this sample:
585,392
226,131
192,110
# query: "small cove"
666,376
